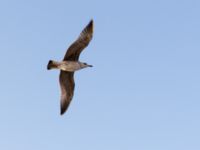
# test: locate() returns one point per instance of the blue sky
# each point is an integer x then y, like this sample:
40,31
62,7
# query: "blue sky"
142,93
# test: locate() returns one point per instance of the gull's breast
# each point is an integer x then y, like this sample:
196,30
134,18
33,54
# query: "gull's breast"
70,66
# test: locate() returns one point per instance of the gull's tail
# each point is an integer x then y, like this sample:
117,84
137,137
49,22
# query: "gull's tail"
52,64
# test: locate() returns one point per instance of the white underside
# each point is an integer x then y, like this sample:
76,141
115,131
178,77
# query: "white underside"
70,66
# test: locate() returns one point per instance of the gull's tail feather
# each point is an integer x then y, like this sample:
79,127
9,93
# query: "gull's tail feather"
52,64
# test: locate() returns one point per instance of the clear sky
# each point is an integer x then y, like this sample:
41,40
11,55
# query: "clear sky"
143,92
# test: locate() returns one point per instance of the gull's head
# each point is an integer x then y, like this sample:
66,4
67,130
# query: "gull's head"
84,65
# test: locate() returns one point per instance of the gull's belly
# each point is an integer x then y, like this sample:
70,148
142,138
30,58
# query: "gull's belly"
70,66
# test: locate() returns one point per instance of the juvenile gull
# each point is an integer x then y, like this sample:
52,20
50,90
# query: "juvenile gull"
70,64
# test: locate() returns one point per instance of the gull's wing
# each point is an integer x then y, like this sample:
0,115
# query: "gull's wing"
83,40
67,89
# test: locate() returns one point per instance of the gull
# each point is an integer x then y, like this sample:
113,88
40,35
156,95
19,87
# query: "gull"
70,64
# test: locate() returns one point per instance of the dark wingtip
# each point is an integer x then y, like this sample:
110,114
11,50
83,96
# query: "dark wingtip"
62,111
64,107
91,21
90,25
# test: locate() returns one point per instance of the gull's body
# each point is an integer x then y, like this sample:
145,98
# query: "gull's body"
70,64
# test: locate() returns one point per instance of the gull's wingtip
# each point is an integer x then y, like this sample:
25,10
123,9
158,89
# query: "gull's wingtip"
62,110
64,106
91,24
91,21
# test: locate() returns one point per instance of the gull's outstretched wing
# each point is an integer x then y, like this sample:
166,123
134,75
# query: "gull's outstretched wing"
83,40
67,89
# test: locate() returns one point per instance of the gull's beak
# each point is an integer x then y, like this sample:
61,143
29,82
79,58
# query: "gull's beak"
90,66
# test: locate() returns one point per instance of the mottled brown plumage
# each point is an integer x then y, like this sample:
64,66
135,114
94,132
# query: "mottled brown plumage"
66,78
67,89
83,40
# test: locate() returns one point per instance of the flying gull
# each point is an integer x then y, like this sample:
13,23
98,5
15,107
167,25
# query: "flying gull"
70,64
